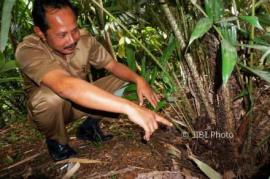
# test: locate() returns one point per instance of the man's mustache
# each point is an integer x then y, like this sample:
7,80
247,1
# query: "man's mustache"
71,46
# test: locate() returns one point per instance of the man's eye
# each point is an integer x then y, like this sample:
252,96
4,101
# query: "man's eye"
61,35
75,30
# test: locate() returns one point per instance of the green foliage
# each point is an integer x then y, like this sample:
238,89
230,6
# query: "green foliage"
5,23
250,20
16,23
142,38
168,52
228,51
207,170
10,91
131,60
214,9
264,19
201,28
229,59
265,75
253,20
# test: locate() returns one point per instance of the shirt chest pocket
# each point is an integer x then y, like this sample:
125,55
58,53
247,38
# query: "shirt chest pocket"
79,67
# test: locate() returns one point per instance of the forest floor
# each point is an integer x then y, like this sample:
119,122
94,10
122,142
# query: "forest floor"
23,152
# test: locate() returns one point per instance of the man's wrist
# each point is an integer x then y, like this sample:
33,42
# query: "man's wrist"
128,107
138,79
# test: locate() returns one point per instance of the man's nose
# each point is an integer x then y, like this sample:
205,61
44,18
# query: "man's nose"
71,39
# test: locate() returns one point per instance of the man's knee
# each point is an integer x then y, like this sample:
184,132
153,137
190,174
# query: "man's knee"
49,112
45,100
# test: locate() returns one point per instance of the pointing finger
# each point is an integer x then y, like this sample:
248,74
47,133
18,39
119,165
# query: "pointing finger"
163,121
147,135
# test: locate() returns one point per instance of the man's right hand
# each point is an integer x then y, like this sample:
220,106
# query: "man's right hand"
147,119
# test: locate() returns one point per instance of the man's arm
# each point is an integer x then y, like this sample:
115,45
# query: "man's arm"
90,96
143,88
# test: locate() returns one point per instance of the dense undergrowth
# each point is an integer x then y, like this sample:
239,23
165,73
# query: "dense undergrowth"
209,60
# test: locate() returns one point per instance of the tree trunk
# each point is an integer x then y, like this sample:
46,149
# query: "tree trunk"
106,34
189,61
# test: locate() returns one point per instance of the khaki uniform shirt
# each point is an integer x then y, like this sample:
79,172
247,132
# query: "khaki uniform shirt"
36,58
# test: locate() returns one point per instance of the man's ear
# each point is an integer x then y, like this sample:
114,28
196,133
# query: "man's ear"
39,33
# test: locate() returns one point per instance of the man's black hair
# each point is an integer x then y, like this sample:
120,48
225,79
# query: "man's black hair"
39,10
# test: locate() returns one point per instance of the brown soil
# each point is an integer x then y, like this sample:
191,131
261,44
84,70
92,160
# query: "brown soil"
125,156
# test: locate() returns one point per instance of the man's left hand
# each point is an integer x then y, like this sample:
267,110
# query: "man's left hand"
144,91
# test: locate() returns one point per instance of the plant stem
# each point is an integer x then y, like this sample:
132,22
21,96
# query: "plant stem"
106,33
250,84
189,61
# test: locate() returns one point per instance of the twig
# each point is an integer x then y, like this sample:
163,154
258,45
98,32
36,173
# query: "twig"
23,161
117,172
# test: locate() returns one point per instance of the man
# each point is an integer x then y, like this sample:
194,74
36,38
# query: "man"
55,62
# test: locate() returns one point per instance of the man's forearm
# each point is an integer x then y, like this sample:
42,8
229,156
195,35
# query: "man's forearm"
84,93
90,96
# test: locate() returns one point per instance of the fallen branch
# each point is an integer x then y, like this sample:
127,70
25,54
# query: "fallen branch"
72,171
23,161
163,175
112,173
78,160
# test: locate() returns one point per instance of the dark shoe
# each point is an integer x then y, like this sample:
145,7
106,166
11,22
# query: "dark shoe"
59,151
90,130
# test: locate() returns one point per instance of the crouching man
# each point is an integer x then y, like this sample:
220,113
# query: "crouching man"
55,62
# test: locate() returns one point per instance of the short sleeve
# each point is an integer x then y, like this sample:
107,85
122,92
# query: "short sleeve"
35,63
99,57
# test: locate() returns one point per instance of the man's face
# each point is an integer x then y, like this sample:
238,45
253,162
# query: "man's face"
63,33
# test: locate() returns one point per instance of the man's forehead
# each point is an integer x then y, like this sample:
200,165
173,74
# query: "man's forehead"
50,11
60,17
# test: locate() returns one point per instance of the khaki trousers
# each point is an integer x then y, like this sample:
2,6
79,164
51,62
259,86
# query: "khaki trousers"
50,113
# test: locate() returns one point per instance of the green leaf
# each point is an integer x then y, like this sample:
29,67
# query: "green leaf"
229,59
153,75
132,97
7,94
264,57
5,23
253,20
169,50
131,58
10,79
130,88
121,51
201,28
165,78
143,70
160,105
262,48
229,32
243,93
9,65
209,171
263,39
264,19
2,60
265,75
214,9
